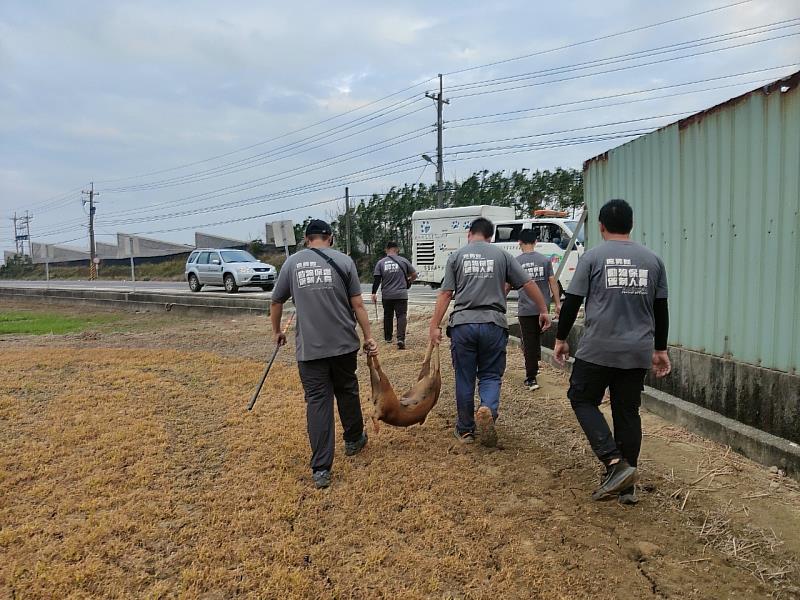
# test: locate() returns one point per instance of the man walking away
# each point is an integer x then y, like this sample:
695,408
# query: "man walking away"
477,275
540,269
326,292
627,322
394,274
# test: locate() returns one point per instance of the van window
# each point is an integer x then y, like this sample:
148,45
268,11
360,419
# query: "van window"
203,258
507,232
192,257
549,233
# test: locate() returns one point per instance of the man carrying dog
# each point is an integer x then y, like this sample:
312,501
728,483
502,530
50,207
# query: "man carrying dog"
477,275
324,286
394,274
627,322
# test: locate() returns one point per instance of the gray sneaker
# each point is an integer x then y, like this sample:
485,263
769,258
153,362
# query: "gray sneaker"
322,479
628,496
619,476
353,448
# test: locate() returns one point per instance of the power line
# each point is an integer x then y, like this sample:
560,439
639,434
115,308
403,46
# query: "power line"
273,139
600,38
251,162
634,55
617,95
607,105
623,68
288,174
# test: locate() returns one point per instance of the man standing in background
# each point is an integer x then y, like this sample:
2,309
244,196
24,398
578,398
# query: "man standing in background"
477,275
324,286
627,322
540,269
394,275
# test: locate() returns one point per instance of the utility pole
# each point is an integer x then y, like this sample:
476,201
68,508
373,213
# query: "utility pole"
347,220
22,233
92,250
16,239
440,102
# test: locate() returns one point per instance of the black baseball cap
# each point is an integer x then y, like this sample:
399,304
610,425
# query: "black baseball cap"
527,236
318,227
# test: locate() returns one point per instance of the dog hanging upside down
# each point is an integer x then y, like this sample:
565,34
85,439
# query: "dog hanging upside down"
413,406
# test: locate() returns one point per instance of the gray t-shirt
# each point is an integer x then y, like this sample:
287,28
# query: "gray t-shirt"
394,272
620,281
478,274
540,269
326,325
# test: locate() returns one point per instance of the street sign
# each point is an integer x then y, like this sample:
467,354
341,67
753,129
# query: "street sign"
96,260
281,233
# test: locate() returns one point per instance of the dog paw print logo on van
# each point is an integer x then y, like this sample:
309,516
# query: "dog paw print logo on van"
425,227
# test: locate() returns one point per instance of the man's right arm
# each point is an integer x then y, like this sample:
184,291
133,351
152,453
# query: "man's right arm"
442,304
280,295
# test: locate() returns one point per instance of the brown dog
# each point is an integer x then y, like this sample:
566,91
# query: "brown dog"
413,407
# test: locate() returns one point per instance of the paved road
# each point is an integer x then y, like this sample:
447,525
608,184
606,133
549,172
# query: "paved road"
418,294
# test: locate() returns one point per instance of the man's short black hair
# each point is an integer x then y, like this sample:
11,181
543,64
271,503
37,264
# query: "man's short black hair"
482,227
527,236
617,216
392,245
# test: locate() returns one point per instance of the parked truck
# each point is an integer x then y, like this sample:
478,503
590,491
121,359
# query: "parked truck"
440,232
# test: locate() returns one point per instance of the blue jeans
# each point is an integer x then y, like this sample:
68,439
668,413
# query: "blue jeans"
478,350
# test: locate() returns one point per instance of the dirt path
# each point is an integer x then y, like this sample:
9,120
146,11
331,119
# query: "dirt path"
129,468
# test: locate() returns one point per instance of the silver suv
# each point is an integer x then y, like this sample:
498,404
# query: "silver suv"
229,268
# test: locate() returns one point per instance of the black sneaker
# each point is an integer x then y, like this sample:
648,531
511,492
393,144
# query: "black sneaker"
389,341
628,496
322,479
531,384
465,438
401,345
352,448
619,476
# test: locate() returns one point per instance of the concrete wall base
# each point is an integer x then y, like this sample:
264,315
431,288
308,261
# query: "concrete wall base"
757,445
766,399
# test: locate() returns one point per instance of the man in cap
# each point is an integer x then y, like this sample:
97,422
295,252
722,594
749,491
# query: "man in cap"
394,274
540,269
324,286
477,275
627,322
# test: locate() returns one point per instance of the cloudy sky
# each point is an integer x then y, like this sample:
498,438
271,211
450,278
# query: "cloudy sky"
190,114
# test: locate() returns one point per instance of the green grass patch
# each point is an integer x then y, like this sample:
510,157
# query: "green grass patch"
36,323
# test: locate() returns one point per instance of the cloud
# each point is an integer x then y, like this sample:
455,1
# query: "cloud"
97,90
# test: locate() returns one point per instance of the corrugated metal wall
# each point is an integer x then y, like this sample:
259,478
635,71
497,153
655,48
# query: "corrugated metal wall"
717,195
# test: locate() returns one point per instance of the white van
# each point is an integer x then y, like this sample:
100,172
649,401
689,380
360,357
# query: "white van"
437,233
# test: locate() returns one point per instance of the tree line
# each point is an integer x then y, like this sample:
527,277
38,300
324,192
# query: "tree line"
384,217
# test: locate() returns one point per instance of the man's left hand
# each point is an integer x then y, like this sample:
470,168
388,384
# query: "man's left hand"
544,321
661,364
561,352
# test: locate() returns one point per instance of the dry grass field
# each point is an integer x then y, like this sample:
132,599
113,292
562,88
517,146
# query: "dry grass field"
129,468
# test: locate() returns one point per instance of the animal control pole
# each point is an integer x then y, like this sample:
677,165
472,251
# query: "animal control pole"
440,102
571,245
269,366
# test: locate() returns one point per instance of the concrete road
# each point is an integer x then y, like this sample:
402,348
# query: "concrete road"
418,294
